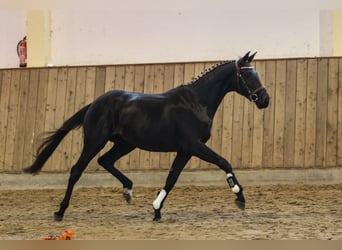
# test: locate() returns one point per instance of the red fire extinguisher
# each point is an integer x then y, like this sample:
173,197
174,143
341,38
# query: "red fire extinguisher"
22,52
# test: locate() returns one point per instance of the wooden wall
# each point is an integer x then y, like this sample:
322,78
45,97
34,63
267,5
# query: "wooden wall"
301,128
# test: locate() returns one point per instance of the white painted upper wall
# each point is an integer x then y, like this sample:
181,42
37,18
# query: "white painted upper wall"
12,30
157,31
107,37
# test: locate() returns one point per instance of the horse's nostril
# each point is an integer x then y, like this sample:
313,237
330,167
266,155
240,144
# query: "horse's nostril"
266,101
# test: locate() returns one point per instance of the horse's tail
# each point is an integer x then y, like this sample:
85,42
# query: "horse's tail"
50,143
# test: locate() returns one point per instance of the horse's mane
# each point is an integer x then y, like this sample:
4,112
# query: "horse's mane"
196,80
205,73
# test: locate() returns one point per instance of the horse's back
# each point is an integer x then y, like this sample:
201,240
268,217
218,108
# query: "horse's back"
154,122
163,122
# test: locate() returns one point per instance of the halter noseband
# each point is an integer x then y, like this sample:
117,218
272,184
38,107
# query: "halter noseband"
253,97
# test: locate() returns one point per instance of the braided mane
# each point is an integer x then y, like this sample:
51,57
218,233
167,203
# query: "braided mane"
207,71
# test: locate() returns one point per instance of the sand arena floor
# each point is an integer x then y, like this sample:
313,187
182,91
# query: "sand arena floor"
190,212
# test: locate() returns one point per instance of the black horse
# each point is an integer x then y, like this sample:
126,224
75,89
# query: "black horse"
178,120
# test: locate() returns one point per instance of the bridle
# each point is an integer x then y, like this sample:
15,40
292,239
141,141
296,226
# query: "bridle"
252,94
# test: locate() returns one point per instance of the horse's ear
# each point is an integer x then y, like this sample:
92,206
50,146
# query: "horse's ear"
244,60
246,57
250,58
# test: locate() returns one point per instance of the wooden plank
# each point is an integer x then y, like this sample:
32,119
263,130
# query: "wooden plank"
51,100
339,116
50,108
119,81
139,78
100,81
21,119
158,79
2,122
11,134
110,78
332,123
199,68
179,75
169,73
189,72
269,116
227,126
41,106
246,134
311,113
290,113
82,97
322,105
41,110
278,151
61,96
257,124
129,78
91,93
30,116
1,72
301,103
59,159
4,102
90,85
68,112
237,131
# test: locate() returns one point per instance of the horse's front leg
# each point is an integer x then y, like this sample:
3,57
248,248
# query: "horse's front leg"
206,154
176,168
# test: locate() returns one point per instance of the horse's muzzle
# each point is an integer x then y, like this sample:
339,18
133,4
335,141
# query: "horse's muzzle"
263,99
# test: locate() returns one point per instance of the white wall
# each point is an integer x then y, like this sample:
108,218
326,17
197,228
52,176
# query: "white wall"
111,36
12,30
142,33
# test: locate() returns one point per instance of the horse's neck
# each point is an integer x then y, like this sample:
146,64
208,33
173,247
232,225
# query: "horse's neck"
213,87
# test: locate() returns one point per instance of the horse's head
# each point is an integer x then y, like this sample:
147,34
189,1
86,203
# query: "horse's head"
248,82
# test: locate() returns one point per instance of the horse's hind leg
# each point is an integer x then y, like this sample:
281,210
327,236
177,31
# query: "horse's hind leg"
76,171
107,161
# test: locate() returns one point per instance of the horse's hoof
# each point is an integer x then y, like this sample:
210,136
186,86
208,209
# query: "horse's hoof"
156,218
127,194
157,215
128,198
58,217
240,204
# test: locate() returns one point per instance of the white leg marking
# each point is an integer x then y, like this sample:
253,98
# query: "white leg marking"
236,189
128,191
159,199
